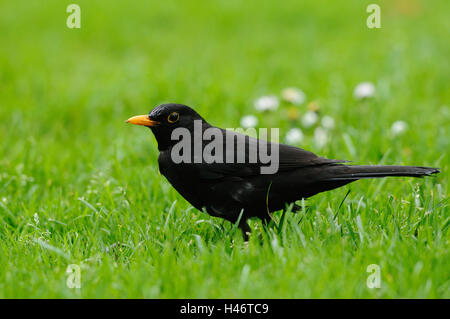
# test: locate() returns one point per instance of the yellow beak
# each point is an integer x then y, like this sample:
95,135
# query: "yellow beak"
142,120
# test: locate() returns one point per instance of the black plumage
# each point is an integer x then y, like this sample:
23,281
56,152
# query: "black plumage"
230,190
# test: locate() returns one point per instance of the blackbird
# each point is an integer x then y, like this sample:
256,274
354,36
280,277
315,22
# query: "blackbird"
229,181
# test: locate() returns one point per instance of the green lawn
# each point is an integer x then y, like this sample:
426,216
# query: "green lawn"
79,186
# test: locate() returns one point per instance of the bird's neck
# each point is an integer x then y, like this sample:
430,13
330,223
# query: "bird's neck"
164,141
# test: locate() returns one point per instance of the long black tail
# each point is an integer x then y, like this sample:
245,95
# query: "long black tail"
355,172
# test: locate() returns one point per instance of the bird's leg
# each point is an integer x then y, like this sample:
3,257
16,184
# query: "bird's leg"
245,228
296,208
265,220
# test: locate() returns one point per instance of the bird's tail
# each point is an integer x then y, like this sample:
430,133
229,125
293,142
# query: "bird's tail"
354,172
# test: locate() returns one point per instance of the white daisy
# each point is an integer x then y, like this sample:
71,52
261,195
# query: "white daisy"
328,122
267,103
364,90
309,119
293,95
249,121
320,137
294,136
399,127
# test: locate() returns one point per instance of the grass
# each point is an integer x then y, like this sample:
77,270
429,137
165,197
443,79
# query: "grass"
78,186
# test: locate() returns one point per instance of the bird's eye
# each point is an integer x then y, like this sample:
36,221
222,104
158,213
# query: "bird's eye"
173,117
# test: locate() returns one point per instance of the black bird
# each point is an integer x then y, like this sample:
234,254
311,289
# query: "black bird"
234,189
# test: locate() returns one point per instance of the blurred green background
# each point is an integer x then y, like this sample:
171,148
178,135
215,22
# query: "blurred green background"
78,186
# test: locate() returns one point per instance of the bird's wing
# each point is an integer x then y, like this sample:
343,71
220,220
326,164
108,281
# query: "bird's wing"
289,158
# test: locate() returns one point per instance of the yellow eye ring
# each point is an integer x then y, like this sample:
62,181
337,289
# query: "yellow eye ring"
173,117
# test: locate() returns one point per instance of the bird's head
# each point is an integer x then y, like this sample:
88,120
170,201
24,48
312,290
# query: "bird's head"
165,118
